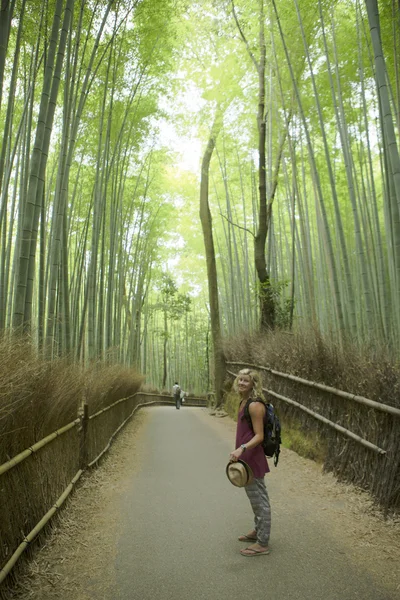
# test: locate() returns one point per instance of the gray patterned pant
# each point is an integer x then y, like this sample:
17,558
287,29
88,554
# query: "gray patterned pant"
259,500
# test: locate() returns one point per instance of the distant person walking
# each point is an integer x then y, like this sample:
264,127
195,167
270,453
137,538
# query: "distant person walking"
176,392
248,448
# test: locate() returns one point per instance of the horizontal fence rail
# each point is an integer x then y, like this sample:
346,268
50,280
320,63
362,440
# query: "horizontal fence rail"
325,388
38,528
13,462
321,418
82,421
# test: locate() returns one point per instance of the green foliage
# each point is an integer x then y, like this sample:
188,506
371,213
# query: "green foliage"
174,304
306,443
275,293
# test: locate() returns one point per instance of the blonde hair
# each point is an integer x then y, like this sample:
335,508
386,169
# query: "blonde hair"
255,378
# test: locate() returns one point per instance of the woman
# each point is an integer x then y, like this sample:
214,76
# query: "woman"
248,449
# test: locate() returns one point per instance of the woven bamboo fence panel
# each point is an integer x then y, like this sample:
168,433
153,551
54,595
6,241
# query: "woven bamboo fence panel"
349,460
31,488
102,426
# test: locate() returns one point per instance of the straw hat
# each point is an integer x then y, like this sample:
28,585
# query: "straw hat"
239,473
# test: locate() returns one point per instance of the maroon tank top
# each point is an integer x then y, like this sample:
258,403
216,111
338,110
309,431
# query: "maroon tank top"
254,457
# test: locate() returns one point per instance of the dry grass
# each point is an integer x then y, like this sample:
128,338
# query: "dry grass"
368,371
105,384
151,389
37,398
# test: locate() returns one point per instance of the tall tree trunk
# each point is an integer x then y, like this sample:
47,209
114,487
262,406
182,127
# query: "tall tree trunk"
267,305
265,292
206,223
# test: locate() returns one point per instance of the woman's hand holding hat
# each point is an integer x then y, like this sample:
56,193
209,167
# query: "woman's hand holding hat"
236,454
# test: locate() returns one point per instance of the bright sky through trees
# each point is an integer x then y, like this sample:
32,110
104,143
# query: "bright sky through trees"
178,136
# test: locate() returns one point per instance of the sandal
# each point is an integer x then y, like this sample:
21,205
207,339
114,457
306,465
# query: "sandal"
249,552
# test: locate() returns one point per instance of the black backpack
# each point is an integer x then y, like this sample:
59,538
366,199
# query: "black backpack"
272,430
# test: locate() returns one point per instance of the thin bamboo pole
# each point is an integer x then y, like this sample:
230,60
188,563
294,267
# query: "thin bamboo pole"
325,388
319,417
38,528
13,462
107,408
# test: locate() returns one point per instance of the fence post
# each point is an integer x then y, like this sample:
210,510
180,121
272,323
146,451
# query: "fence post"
83,450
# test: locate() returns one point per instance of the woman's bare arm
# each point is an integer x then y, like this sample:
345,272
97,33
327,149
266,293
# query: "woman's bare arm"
257,413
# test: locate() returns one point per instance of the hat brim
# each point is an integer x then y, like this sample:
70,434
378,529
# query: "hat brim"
247,470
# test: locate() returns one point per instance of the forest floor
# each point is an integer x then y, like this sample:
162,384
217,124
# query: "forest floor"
78,559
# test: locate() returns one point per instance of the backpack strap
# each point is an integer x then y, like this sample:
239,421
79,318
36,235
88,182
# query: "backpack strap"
246,413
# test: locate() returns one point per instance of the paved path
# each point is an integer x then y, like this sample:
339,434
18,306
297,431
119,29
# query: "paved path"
181,518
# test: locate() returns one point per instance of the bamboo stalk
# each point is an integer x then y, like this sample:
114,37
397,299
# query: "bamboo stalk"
38,528
32,449
319,417
325,388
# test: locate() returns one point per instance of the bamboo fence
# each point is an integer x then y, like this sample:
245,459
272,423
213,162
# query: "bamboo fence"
325,388
360,436
29,485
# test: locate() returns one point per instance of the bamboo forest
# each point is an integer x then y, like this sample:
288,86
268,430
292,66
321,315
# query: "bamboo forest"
199,239
176,174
